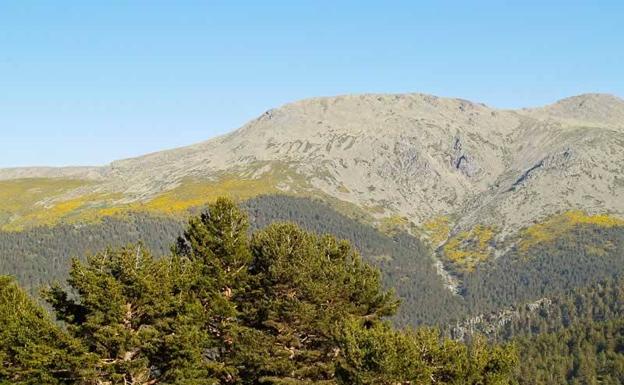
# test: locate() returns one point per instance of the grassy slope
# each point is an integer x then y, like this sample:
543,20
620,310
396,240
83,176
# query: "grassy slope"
30,202
27,203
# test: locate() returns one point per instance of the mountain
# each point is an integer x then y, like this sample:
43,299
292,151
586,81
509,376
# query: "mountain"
465,176
520,213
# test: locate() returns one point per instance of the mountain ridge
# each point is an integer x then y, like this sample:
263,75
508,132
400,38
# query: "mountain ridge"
18,172
417,158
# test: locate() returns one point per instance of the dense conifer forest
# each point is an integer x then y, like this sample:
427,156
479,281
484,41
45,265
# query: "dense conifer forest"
566,293
279,306
584,255
584,353
578,258
39,256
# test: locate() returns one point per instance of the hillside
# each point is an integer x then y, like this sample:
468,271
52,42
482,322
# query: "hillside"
42,255
459,173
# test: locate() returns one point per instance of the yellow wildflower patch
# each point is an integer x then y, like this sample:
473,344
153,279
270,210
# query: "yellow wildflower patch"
197,193
393,224
558,225
438,229
21,199
469,248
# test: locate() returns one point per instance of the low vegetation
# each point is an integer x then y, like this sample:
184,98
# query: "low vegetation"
469,248
36,202
557,225
437,230
23,201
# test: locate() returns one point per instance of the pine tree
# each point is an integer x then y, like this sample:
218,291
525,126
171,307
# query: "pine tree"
216,244
33,350
302,288
138,316
384,356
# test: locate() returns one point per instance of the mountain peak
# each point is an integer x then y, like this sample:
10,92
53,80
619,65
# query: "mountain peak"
591,97
586,109
383,100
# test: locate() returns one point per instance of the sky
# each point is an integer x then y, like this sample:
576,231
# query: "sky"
86,82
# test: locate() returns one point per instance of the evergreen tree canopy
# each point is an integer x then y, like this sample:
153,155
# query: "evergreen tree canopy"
301,289
138,315
33,350
381,355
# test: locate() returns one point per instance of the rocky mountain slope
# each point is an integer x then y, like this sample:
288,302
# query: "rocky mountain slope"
447,168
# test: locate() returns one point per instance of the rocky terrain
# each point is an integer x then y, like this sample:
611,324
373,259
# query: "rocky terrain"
440,165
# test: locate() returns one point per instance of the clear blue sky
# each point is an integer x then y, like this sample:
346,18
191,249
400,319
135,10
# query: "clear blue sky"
86,82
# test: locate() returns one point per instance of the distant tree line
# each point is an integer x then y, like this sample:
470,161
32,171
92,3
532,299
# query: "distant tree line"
585,255
42,255
588,353
572,337
598,302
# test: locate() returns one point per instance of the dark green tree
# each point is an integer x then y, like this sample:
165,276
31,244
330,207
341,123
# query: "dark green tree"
216,245
302,287
138,316
382,355
34,350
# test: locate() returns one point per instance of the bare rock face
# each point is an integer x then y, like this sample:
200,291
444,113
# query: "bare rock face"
412,155
463,161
